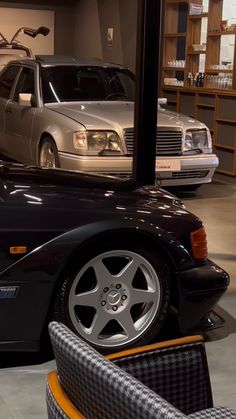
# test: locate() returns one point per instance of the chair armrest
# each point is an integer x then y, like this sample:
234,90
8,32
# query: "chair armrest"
60,398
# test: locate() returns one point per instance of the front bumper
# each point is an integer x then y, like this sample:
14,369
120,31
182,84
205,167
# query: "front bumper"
196,169
200,289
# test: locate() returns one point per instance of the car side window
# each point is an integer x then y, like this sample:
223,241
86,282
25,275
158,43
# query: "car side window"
7,80
25,84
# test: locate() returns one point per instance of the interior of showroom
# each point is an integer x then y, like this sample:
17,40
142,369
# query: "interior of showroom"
197,76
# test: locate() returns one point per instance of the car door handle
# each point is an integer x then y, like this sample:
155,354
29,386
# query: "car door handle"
8,110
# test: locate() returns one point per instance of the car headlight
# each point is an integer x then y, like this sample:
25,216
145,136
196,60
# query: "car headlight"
97,142
197,140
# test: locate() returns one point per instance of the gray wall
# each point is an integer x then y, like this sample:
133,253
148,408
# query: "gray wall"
64,23
87,35
93,17
128,25
81,27
109,16
64,31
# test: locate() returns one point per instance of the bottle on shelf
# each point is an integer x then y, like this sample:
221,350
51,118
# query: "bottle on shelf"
219,82
189,79
201,80
195,79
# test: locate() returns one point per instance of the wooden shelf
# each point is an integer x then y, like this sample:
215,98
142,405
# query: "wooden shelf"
221,33
196,52
205,105
224,147
169,87
207,90
174,68
175,35
218,71
201,16
177,1
226,121
172,102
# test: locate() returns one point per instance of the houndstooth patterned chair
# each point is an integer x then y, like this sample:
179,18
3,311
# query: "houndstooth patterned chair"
92,387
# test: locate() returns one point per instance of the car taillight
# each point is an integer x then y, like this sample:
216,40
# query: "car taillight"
199,243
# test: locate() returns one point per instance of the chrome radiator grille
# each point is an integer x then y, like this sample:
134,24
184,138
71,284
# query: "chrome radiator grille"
168,141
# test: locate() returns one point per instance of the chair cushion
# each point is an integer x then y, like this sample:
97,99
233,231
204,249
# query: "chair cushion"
178,374
99,388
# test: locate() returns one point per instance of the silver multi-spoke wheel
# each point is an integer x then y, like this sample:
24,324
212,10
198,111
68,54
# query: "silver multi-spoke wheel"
47,155
114,298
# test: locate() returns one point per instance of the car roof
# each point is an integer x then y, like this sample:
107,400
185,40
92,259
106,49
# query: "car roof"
51,60
57,59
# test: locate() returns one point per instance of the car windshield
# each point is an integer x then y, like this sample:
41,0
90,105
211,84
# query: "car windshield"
86,83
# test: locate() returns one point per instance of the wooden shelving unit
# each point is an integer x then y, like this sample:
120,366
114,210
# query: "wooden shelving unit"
217,110
213,106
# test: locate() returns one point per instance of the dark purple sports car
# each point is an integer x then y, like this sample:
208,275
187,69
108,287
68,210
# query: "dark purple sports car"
107,257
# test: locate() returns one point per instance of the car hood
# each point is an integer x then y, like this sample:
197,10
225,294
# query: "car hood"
120,114
94,197
59,178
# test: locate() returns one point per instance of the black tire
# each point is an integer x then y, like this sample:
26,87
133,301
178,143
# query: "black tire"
150,262
49,143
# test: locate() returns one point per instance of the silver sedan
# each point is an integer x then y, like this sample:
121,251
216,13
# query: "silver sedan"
79,115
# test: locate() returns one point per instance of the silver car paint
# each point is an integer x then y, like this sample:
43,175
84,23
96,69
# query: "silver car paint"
20,136
112,114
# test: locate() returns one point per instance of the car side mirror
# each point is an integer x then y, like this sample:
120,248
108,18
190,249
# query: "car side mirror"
26,99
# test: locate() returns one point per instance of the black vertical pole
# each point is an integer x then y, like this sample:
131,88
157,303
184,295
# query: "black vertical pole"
147,80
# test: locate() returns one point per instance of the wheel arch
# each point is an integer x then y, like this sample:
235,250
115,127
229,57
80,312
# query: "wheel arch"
132,237
38,273
56,134
44,135
54,160
147,239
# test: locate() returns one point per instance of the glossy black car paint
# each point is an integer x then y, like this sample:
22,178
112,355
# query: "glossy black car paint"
58,214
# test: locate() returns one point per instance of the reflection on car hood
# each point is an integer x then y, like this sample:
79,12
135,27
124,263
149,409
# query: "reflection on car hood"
118,114
38,177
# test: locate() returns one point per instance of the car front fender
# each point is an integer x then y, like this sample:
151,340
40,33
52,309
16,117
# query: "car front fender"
27,286
49,259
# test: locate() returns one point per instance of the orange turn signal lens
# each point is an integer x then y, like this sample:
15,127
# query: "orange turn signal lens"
199,243
17,250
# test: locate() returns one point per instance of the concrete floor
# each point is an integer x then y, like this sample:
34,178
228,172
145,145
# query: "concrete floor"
215,204
22,377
